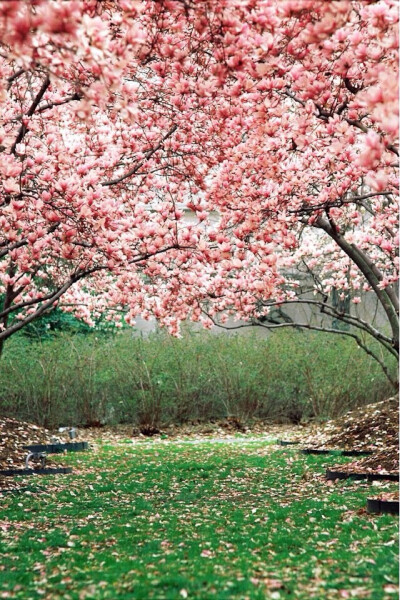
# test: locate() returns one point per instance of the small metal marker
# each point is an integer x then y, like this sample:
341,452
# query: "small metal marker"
34,456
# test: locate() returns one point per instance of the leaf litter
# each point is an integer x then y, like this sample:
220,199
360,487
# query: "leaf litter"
372,427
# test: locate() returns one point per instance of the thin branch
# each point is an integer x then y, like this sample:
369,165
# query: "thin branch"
12,78
360,343
49,105
24,128
148,155
345,317
338,203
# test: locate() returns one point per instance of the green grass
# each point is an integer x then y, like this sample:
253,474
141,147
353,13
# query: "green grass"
165,520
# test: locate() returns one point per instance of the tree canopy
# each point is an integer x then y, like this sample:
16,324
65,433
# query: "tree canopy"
280,119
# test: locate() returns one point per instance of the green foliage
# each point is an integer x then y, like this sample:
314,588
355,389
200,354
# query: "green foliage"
166,521
78,379
57,321
54,321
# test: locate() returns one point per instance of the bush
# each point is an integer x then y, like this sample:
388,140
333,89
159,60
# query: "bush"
85,379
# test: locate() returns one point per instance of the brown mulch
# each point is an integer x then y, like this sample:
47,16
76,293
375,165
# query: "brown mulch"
221,428
388,496
387,459
383,461
372,427
14,435
226,428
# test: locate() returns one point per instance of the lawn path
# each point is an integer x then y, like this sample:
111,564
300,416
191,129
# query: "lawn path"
237,518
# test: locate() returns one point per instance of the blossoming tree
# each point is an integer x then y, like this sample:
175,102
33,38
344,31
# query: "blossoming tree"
98,150
314,180
308,170
281,117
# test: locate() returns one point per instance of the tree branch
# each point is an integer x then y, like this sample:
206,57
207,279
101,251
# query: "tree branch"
14,77
338,203
23,322
324,116
24,128
148,155
49,105
352,320
357,256
359,342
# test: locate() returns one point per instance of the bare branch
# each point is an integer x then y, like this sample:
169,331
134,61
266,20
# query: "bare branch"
358,340
336,313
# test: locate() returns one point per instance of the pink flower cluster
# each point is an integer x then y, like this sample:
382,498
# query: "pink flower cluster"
160,156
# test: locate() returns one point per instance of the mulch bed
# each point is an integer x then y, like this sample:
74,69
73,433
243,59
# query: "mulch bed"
14,437
382,462
372,427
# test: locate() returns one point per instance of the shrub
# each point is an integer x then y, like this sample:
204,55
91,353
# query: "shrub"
83,379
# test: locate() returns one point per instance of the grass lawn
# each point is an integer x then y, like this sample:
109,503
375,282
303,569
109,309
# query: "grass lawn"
169,520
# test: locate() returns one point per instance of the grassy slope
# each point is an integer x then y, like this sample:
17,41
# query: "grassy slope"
168,520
